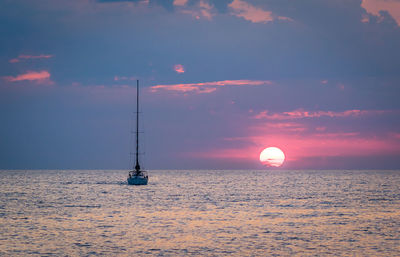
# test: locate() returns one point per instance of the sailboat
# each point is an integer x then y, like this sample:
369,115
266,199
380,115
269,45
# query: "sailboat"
137,176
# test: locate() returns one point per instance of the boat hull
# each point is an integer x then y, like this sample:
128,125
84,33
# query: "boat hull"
138,180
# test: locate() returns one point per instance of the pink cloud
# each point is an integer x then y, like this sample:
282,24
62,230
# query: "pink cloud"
179,68
202,10
238,8
183,88
180,2
374,6
251,13
300,114
208,87
25,57
287,126
205,9
41,76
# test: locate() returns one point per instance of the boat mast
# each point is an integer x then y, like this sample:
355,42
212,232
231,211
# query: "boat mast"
137,166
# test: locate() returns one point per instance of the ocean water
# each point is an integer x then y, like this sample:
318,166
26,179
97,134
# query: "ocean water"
200,213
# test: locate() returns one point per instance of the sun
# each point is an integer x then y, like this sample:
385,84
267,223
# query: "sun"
272,157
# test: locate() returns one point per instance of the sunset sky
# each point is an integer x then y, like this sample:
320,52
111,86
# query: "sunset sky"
220,81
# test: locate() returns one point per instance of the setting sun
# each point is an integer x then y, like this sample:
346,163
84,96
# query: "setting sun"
272,157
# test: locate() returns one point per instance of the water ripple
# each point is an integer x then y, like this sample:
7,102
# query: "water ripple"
200,213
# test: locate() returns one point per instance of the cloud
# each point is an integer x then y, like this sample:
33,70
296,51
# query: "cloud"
197,8
116,1
180,2
184,88
299,114
167,4
26,57
208,87
179,68
221,5
205,10
202,9
376,6
41,76
287,126
249,12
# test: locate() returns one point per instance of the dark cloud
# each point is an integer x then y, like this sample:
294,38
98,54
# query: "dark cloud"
116,1
167,4
220,5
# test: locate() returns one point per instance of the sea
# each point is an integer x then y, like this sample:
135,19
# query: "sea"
200,213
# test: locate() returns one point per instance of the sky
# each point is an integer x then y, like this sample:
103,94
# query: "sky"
220,81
